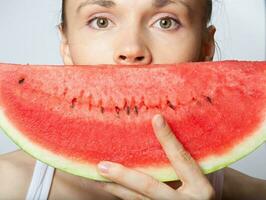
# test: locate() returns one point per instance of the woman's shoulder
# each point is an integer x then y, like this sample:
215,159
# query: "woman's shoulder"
15,173
16,161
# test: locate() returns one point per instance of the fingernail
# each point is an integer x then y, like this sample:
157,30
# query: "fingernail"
159,121
104,167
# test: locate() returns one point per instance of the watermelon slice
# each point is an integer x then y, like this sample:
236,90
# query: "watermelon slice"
72,117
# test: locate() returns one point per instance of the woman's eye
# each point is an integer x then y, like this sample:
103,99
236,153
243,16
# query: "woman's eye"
167,23
99,22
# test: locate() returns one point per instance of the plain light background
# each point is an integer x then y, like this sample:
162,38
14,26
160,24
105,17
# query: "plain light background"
28,34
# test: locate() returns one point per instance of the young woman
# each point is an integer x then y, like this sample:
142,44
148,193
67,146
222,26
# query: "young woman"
142,33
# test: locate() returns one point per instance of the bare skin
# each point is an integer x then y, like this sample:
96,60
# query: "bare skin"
16,170
131,33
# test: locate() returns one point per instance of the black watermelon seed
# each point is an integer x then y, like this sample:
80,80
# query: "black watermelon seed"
136,110
117,109
209,99
170,105
73,102
21,81
102,110
128,110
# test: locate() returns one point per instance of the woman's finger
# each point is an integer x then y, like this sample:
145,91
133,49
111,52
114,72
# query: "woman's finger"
135,180
121,192
184,165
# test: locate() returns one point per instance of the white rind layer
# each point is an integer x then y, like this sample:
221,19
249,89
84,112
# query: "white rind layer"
209,164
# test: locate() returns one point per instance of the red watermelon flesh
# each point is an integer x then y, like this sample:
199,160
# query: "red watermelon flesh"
72,117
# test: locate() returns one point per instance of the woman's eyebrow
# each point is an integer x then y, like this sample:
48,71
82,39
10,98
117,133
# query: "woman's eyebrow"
109,3
163,3
103,3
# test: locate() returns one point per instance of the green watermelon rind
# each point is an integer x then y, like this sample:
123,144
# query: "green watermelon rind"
162,173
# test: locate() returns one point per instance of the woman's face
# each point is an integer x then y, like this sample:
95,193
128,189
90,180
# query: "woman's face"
136,32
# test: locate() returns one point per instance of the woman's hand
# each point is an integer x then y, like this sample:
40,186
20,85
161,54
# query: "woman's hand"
131,184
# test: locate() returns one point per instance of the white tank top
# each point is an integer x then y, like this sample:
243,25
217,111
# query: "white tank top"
41,182
43,175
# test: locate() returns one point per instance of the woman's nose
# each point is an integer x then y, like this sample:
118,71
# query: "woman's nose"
132,52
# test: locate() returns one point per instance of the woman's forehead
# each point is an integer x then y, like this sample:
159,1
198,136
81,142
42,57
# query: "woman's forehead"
78,4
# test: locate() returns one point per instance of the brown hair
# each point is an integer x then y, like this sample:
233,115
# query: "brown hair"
208,11
63,15
64,23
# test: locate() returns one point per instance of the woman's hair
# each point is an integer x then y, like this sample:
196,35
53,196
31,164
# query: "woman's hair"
208,11
207,17
63,15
